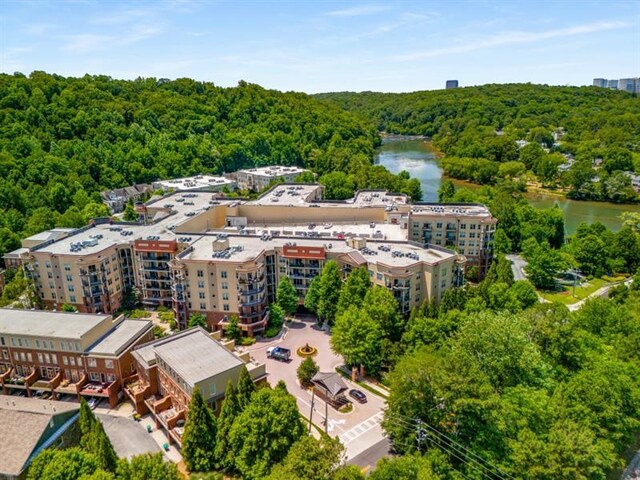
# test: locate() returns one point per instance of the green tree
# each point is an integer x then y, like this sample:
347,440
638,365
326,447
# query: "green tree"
312,297
68,464
501,242
286,296
337,185
68,307
358,338
446,191
307,369
148,466
310,459
97,443
197,320
330,286
199,439
130,215
86,419
264,432
543,263
381,306
245,388
229,410
354,289
233,328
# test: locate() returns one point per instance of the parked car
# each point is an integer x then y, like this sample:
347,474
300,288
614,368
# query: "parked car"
359,396
93,403
279,353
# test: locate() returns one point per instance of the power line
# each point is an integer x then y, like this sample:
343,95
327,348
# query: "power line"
459,447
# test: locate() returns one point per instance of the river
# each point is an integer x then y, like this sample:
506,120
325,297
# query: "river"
419,159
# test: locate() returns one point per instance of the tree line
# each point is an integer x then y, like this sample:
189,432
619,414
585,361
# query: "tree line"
505,133
64,140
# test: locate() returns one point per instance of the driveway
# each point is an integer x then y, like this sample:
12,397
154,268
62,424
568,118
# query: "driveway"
129,438
517,266
359,429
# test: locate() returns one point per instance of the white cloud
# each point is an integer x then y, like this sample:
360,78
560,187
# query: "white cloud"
90,42
512,38
358,11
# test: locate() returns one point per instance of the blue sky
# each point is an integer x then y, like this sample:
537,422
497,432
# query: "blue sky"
326,45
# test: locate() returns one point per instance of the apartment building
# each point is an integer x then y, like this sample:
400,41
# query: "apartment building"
169,369
468,228
68,353
117,199
197,183
258,179
198,252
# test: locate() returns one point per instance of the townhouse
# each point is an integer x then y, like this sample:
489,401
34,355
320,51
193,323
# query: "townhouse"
68,353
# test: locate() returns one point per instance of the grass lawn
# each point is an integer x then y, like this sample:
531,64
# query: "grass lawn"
566,295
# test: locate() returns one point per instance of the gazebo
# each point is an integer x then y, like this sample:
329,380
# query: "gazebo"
330,387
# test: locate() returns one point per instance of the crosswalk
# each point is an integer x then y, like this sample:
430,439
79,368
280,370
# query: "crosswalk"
361,428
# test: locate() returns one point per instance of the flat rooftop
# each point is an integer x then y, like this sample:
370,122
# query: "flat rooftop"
448,210
198,182
287,195
194,355
273,170
42,323
118,339
244,248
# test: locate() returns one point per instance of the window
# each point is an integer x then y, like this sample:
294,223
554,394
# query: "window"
108,364
225,286
49,275
472,227
463,226
438,225
72,298
225,296
203,306
69,278
19,342
16,357
472,235
225,307
22,357
200,273
54,358
29,357
212,389
26,342
71,288
65,361
223,274
92,362
67,267
443,284
51,285
94,377
200,283
72,361
111,377
379,276
47,358
47,264
201,295
2,341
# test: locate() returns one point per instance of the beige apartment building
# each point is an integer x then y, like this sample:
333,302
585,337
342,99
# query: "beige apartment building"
258,179
197,252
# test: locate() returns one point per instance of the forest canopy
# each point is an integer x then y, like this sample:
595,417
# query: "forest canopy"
63,140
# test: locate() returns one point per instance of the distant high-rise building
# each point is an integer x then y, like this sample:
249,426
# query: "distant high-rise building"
631,85
452,84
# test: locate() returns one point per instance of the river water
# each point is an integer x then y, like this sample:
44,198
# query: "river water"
419,159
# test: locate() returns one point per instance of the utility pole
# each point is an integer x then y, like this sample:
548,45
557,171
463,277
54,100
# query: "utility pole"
326,411
313,396
421,435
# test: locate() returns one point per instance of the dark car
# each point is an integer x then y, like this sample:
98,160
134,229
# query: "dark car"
358,396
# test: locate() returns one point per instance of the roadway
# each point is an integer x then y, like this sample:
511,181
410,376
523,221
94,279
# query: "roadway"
359,430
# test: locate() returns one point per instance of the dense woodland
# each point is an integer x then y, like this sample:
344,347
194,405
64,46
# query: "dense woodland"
477,129
63,140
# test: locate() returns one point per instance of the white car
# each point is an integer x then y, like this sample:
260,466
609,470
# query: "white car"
93,403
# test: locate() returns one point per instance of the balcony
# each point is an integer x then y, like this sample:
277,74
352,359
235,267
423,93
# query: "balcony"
250,280
136,389
251,291
250,303
99,389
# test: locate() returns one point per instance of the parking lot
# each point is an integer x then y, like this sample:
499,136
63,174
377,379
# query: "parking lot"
359,429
